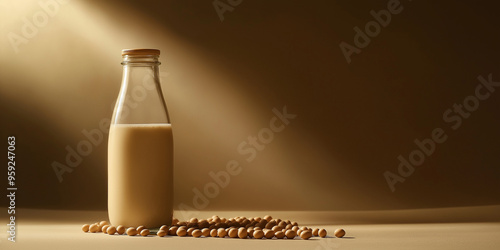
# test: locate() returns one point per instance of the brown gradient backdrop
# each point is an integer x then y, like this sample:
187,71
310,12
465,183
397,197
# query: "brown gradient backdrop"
222,79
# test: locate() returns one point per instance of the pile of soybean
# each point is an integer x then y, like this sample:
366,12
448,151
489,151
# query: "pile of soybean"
238,227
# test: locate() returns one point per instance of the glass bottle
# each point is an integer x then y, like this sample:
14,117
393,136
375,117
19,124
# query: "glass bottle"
140,147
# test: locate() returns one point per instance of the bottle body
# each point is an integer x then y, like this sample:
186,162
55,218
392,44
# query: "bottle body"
140,149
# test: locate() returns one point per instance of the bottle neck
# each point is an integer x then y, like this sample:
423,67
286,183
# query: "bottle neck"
140,99
138,69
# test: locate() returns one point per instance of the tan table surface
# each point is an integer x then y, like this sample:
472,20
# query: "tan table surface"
42,232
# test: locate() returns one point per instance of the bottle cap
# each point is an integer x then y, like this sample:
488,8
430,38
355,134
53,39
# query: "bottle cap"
141,52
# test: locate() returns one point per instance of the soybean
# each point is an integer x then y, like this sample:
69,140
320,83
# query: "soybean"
250,231
203,224
145,232
270,224
181,232
339,233
233,233
269,234
279,234
322,233
111,230
221,232
242,233
131,231
161,233
93,228
173,230
120,229
175,221
306,234
290,234
205,232
85,227
196,233
258,234
104,228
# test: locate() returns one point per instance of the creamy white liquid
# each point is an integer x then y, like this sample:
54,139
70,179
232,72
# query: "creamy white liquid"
140,175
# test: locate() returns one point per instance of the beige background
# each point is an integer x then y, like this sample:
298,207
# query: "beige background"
221,81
